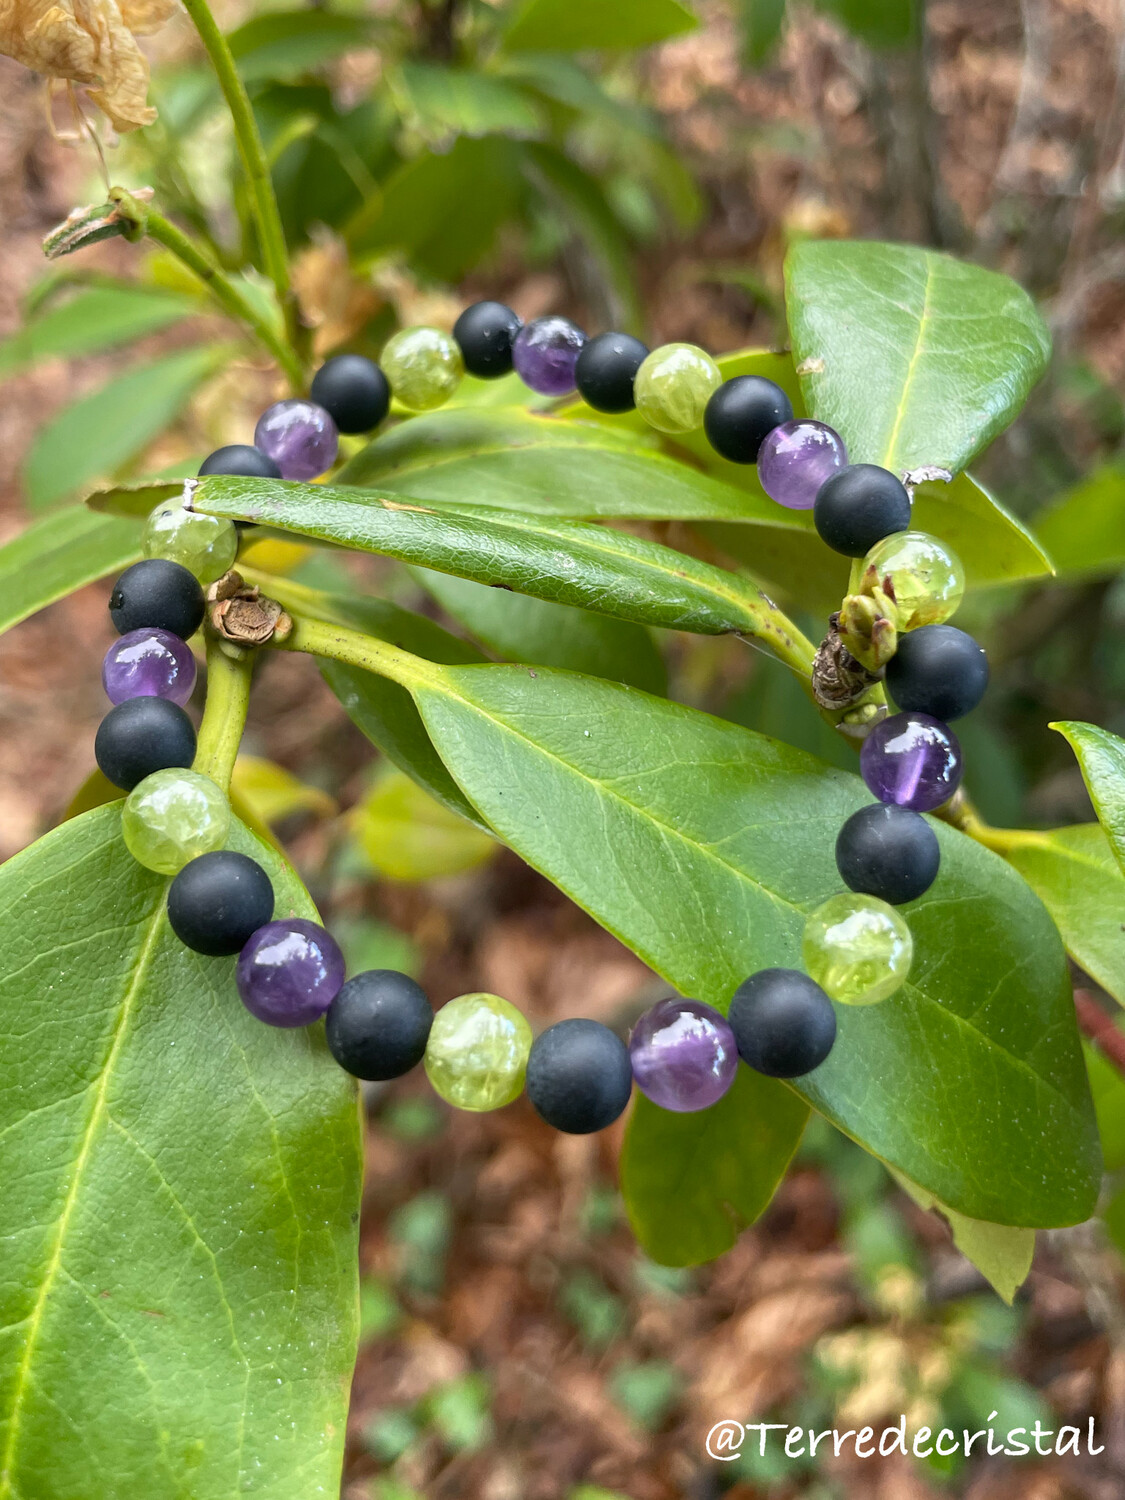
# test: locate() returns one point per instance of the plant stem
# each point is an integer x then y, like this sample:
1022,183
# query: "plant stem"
263,202
339,643
224,714
224,291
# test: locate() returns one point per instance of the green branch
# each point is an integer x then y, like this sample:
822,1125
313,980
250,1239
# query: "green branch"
224,714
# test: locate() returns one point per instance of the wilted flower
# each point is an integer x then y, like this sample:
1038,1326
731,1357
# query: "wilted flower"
89,42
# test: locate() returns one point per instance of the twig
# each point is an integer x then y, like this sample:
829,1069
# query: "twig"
1099,1028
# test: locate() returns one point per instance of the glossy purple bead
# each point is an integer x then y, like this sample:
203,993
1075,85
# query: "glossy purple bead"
545,354
912,760
290,972
299,436
149,663
684,1055
796,458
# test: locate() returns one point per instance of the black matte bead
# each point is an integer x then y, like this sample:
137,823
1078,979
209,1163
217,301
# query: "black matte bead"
606,370
218,901
579,1077
157,593
485,333
888,851
858,506
783,1023
741,413
378,1025
353,391
140,736
938,670
243,459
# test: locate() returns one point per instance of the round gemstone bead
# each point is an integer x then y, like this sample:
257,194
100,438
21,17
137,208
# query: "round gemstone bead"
159,593
923,577
242,459
545,354
289,972
204,545
424,367
353,391
673,386
485,333
299,436
149,664
783,1022
913,760
857,948
476,1055
796,458
172,817
684,1055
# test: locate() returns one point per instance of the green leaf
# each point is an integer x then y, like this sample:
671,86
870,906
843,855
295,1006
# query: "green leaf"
456,101
1084,531
879,23
1001,1254
1108,1089
96,317
703,846
406,834
693,1182
290,43
100,433
545,465
1102,758
915,358
520,628
474,185
1074,872
180,1266
272,793
762,22
574,25
564,562
59,554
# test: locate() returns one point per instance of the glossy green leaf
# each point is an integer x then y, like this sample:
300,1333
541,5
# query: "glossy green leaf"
179,1297
575,25
290,43
564,562
408,835
915,358
702,847
1102,758
103,431
544,465
59,554
96,317
457,101
1084,531
520,628
1074,872
693,1182
1001,1253
379,708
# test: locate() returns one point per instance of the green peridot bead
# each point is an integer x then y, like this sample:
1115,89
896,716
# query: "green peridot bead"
926,579
204,545
172,817
857,948
424,367
673,386
477,1053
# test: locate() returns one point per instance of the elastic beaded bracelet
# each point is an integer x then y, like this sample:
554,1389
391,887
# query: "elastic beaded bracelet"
478,1050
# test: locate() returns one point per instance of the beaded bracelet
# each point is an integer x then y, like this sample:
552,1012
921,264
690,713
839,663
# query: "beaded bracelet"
478,1050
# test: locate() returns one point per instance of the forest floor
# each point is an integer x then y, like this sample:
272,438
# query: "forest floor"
517,1345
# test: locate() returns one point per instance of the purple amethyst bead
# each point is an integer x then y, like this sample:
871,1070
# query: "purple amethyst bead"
683,1054
912,760
290,972
545,353
796,458
299,436
149,663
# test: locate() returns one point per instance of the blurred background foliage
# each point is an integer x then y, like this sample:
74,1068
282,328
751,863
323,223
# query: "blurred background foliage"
639,164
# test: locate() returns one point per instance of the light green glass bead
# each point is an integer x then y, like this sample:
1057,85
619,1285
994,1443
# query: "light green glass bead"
926,578
857,948
424,367
204,545
673,386
172,817
476,1056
